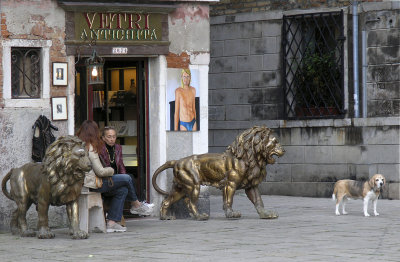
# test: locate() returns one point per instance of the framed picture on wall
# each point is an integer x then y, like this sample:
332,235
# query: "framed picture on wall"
59,110
60,74
183,100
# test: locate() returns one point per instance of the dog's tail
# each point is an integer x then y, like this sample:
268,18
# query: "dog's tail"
334,194
4,185
168,164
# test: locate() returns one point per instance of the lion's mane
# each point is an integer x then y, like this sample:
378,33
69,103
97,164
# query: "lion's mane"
250,147
57,181
241,166
61,167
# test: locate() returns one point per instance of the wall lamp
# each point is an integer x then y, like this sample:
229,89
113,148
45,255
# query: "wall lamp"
94,69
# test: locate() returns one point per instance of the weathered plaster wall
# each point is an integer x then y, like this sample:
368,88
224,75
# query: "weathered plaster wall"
32,17
189,29
15,150
29,20
36,20
43,19
189,34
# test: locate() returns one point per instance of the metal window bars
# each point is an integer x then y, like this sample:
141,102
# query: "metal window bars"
312,67
25,72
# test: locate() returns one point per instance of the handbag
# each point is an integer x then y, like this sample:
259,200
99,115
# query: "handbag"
92,181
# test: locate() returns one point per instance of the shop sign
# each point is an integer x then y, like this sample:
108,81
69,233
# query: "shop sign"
118,27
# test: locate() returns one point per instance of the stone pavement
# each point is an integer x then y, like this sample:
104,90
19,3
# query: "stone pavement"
307,230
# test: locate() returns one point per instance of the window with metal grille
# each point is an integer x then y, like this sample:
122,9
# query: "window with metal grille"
312,67
25,72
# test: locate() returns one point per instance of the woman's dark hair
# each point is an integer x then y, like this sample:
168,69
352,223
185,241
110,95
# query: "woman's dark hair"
90,134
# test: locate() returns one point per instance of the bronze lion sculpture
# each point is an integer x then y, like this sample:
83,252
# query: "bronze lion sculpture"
57,181
241,166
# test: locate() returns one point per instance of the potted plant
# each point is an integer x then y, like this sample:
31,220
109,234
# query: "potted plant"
317,79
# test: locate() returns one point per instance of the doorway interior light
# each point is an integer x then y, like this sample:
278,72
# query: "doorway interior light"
94,69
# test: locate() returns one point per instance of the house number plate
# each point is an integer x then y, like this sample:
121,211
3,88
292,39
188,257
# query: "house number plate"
119,50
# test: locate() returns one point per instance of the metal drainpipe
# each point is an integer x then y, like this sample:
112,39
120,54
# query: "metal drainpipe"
364,72
355,59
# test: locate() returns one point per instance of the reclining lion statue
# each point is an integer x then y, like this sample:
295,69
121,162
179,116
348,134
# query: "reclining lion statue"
241,166
57,181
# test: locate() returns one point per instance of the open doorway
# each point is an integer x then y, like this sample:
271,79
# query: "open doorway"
119,102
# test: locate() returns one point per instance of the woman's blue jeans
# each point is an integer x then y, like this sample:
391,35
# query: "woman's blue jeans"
120,188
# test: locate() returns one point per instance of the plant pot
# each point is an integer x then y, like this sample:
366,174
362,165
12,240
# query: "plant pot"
316,111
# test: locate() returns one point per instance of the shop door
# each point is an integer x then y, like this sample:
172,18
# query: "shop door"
119,102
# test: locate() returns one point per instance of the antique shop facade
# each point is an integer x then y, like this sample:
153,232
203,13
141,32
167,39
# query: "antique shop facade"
290,66
49,51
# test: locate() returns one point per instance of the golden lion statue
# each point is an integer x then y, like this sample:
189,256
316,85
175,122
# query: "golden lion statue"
241,166
56,181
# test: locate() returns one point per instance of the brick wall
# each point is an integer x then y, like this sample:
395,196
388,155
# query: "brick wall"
245,69
29,20
40,29
244,82
383,52
178,61
1,80
245,89
4,31
229,7
4,34
317,156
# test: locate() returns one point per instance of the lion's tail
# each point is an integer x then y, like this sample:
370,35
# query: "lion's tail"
4,185
168,164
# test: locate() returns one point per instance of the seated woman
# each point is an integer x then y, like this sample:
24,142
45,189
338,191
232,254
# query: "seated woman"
118,187
111,156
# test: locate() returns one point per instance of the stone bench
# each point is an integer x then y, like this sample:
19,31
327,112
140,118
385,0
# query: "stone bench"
91,213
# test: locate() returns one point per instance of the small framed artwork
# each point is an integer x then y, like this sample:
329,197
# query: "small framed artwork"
60,74
59,110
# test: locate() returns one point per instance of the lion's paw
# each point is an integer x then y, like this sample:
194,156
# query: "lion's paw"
268,214
45,234
203,216
80,235
167,217
28,233
15,231
232,214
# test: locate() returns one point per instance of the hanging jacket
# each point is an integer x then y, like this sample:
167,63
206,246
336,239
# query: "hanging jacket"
42,137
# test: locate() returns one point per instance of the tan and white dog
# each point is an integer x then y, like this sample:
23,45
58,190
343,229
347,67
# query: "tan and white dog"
368,190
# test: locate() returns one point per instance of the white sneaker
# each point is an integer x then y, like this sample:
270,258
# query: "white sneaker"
115,228
142,210
151,205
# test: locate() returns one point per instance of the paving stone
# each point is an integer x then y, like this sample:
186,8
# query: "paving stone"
307,230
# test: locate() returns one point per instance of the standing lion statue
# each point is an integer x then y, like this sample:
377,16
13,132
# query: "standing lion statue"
241,166
57,181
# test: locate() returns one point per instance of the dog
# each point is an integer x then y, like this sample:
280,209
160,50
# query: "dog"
368,190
